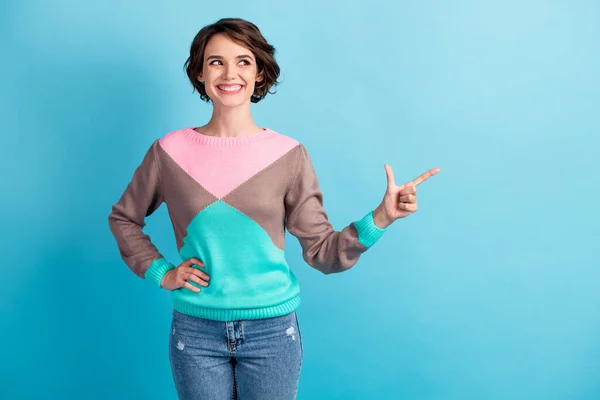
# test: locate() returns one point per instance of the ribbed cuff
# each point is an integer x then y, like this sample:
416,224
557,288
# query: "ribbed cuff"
368,232
157,270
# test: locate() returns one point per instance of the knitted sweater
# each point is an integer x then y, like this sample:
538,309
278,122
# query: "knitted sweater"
230,201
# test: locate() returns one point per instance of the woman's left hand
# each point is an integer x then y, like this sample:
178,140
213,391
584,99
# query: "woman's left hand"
399,201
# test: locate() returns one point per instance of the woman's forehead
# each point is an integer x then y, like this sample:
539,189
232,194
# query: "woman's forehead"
222,45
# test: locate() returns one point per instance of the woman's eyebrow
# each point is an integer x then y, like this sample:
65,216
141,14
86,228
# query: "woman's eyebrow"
238,57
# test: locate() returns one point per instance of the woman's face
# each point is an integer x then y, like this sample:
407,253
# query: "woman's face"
229,72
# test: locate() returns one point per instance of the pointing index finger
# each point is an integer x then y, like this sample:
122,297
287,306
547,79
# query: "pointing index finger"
421,178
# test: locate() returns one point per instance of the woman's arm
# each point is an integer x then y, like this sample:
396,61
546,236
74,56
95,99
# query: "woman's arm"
323,248
141,198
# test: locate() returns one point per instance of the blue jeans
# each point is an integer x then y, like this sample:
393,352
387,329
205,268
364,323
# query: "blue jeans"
246,359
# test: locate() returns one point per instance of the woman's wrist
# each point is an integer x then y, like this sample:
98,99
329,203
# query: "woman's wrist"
380,219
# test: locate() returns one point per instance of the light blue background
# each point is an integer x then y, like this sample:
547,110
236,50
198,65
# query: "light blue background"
490,291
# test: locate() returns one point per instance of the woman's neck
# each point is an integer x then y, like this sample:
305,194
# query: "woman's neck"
232,122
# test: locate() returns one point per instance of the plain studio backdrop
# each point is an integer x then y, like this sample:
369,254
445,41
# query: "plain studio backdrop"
490,291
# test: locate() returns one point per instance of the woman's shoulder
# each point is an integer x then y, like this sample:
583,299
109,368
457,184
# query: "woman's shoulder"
173,141
175,136
288,139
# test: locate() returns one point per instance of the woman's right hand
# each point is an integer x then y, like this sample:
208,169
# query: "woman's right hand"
179,277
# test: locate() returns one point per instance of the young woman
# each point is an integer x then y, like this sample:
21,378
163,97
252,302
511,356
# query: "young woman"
232,188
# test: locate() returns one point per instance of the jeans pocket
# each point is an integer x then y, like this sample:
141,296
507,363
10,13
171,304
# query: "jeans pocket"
299,335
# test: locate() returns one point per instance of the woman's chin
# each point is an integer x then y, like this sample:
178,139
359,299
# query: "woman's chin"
230,102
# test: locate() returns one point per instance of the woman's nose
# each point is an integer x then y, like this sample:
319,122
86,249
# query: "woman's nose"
229,73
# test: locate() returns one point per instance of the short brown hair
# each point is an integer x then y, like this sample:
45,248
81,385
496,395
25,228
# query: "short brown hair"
246,34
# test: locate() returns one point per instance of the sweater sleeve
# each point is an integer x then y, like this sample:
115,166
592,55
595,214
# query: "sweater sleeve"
140,199
323,248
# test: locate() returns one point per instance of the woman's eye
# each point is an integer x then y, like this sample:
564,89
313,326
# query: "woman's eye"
246,62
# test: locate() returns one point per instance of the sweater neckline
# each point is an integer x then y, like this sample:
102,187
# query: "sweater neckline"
202,138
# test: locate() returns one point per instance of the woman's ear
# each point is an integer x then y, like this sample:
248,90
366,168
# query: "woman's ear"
199,77
260,77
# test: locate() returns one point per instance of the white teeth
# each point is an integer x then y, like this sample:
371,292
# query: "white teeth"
230,88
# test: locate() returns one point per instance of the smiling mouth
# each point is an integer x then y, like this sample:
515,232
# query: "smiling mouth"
230,89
